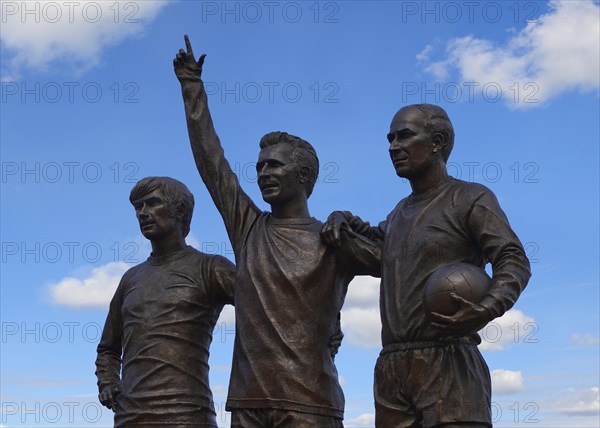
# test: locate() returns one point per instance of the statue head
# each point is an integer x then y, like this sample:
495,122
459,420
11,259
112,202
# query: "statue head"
286,166
177,198
420,134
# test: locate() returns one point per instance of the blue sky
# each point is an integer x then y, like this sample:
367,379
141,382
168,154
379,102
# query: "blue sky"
90,104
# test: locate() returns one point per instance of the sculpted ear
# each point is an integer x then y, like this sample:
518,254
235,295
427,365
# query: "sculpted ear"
304,174
438,141
179,212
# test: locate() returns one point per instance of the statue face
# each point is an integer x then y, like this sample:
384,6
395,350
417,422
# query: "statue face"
154,217
411,147
278,177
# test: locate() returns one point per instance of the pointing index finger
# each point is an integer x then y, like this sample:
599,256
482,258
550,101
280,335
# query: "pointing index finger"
188,45
336,234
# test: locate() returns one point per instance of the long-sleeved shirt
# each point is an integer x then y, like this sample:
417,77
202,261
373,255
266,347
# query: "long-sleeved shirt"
455,222
156,339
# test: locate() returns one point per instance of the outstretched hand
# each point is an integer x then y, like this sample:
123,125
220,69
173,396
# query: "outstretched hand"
186,66
469,319
330,233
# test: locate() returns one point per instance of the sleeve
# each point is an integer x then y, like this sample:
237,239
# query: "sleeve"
110,348
362,255
222,280
236,207
363,228
362,245
502,248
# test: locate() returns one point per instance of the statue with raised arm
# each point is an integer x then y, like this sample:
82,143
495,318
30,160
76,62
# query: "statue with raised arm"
152,363
290,285
430,372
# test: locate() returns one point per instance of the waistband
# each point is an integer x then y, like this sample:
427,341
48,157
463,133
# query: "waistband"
407,346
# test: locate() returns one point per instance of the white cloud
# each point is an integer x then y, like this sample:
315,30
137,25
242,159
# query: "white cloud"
94,291
423,56
363,292
582,402
362,327
511,328
361,322
35,35
227,317
364,420
585,339
505,382
557,53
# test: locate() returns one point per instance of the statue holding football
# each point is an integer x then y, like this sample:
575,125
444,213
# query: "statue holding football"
435,293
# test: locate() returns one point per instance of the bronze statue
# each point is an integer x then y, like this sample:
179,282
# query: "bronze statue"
290,286
430,372
152,363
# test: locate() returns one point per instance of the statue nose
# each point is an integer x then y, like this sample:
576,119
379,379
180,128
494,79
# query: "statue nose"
395,147
263,171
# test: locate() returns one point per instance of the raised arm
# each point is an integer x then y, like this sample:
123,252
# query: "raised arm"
236,208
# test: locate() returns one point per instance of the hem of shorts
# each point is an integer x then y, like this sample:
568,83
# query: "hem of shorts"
162,424
468,421
265,403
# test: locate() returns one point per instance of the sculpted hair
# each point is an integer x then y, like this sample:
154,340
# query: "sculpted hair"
179,199
437,120
304,154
